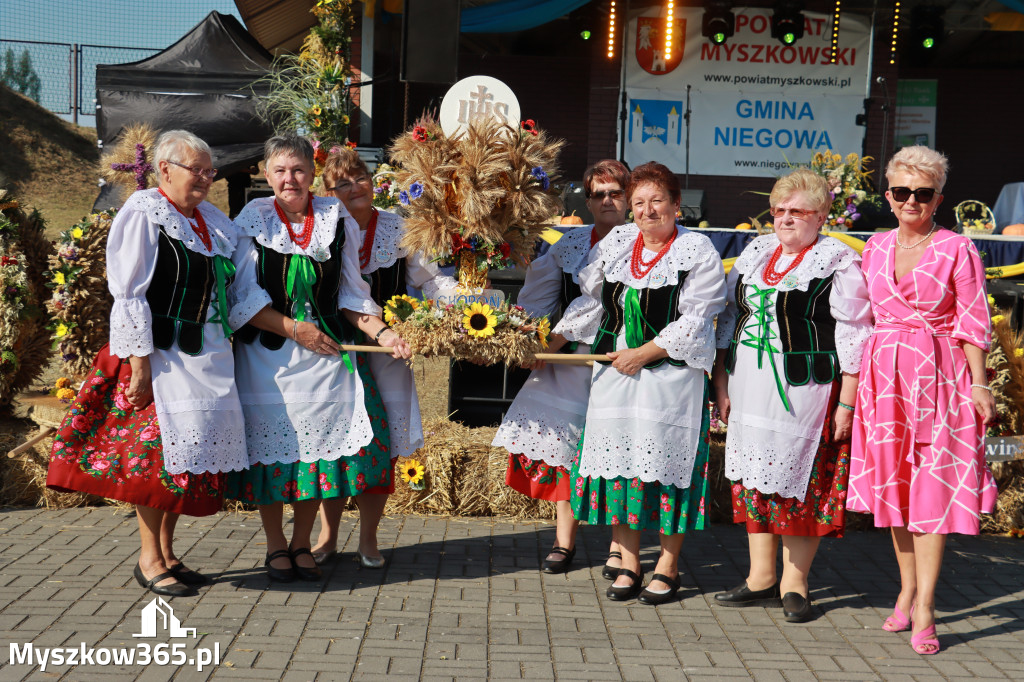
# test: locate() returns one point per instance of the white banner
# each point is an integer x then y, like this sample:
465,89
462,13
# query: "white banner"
756,105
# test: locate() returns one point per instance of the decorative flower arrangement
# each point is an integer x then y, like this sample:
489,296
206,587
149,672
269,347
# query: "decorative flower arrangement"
309,93
24,340
79,301
385,187
469,331
848,183
62,390
479,199
414,474
1005,369
127,163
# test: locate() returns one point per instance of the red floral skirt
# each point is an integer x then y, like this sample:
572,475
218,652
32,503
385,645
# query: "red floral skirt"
105,447
822,512
534,478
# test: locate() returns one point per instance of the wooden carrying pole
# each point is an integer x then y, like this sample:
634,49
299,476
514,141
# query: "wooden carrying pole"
555,358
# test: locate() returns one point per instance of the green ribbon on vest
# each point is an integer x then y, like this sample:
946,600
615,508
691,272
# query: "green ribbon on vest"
223,270
634,319
300,280
759,337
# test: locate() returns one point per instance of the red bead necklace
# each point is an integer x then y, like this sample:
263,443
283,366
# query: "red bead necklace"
770,276
637,266
199,228
367,248
303,238
594,239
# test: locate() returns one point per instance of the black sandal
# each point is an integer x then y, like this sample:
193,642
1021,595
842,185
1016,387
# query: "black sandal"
559,565
655,598
304,572
281,575
629,591
611,572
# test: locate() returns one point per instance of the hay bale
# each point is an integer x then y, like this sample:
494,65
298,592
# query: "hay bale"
1009,512
23,478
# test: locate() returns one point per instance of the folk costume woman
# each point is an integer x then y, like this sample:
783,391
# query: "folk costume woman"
390,272
314,423
158,421
918,459
543,425
786,382
650,296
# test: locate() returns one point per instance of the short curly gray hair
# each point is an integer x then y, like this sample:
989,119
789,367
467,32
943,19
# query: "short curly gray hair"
171,142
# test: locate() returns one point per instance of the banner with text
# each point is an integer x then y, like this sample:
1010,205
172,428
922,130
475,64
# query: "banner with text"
756,105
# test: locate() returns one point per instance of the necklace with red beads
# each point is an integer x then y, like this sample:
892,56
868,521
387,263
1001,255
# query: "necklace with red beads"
367,248
638,267
770,276
199,228
303,238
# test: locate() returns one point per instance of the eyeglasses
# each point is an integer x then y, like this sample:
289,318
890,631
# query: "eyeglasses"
208,173
797,213
347,186
612,193
923,195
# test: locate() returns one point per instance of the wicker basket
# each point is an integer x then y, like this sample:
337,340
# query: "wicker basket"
974,217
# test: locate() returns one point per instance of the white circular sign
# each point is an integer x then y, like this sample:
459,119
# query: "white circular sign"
475,98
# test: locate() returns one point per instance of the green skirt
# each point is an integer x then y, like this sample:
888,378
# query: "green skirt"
323,479
643,505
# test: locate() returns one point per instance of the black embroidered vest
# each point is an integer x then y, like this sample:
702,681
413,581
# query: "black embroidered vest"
388,282
659,307
807,333
272,275
569,291
179,295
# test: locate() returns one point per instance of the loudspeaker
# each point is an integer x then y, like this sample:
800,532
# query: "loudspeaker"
691,205
430,41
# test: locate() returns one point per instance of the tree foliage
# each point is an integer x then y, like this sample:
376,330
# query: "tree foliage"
18,74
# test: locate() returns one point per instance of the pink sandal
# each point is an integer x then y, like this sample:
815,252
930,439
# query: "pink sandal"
897,622
925,642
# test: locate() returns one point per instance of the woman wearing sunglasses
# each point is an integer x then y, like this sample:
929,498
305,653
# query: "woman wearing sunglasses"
785,379
918,458
544,422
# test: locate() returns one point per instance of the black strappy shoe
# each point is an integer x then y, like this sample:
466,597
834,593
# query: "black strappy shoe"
629,591
305,572
279,575
559,565
655,598
611,572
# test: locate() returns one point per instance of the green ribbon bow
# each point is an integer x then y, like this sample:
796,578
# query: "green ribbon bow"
300,280
760,334
223,270
634,319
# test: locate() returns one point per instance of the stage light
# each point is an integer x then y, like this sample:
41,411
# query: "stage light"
895,32
668,30
611,30
926,26
718,23
585,34
788,21
835,32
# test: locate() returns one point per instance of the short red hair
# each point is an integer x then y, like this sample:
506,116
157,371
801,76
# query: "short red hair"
606,170
655,173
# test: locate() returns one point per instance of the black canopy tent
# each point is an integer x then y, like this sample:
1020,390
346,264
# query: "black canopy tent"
203,83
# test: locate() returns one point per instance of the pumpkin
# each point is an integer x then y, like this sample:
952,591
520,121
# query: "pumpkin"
572,219
1015,230
744,226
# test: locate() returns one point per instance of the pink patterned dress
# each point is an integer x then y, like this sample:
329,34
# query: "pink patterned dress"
918,453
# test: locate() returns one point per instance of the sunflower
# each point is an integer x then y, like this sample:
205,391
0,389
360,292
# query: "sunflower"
413,472
399,308
543,330
480,320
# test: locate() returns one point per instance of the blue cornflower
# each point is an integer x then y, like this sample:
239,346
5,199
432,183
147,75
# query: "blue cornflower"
540,175
416,190
403,197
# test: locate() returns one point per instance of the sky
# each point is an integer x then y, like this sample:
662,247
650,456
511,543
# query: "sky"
120,23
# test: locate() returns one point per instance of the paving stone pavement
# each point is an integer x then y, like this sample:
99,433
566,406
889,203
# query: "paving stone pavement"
462,599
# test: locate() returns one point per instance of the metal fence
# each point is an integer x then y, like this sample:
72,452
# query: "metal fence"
67,72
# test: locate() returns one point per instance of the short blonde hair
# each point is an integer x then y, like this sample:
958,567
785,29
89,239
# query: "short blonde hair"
344,161
920,160
813,186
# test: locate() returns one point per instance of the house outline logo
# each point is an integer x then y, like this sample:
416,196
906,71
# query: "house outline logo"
159,611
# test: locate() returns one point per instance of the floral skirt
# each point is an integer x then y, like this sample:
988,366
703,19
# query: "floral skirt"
534,478
644,505
105,447
822,512
368,471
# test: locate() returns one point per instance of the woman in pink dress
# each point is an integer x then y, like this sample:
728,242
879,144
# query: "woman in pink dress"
917,459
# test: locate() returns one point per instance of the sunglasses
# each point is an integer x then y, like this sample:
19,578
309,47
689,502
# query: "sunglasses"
612,193
923,195
797,213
